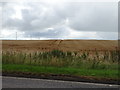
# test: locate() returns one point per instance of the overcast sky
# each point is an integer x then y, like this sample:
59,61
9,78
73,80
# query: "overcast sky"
63,20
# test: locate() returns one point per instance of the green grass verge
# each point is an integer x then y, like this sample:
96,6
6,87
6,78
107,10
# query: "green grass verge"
99,73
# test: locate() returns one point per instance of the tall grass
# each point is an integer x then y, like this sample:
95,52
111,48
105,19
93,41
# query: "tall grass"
104,60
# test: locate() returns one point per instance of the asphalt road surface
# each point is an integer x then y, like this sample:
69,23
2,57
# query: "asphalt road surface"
19,82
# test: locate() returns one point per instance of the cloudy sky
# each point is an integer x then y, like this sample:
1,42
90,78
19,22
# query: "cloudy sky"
63,20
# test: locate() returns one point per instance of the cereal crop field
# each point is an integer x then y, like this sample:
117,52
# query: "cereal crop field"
96,58
64,45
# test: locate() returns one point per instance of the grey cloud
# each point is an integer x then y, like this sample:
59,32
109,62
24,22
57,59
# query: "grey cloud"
90,16
35,20
99,17
81,16
108,35
58,32
7,12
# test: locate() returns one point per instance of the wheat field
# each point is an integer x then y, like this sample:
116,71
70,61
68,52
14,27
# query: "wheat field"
64,45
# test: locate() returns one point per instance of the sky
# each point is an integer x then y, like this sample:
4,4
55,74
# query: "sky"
63,20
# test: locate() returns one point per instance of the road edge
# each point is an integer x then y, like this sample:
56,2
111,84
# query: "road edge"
60,77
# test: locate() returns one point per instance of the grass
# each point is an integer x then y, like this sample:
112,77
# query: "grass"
113,74
59,62
108,60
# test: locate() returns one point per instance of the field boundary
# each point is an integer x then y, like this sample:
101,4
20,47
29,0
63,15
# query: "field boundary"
61,77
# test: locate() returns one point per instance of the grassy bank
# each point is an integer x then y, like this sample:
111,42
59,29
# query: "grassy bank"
104,60
113,74
103,64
